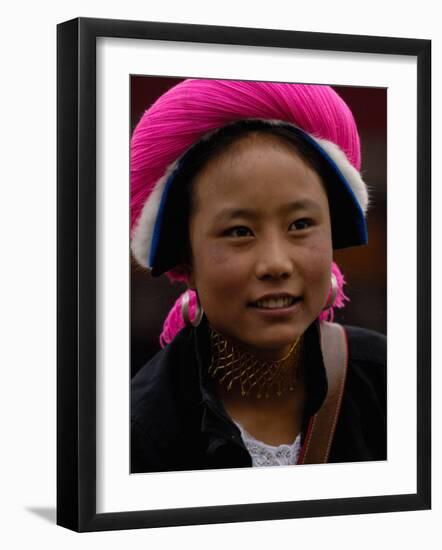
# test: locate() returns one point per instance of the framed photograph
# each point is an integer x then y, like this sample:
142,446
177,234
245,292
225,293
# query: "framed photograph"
139,105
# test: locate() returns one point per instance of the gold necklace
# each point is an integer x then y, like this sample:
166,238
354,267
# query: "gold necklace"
230,365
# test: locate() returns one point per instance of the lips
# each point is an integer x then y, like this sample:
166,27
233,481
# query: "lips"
275,301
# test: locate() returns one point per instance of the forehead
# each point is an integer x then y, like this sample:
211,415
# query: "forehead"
256,166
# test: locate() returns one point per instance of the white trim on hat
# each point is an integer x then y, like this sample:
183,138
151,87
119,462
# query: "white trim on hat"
353,177
143,232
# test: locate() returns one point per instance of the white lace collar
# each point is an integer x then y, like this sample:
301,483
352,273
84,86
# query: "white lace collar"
269,455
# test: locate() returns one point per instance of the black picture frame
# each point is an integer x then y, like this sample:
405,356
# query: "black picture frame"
76,273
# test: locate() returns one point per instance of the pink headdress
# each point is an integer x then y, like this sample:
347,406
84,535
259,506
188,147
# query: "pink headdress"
194,110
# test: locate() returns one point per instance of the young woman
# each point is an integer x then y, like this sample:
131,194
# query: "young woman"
243,190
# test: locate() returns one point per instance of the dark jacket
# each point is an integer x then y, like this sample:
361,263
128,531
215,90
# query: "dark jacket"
178,423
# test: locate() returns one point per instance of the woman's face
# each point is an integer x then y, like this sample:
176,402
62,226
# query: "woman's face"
261,243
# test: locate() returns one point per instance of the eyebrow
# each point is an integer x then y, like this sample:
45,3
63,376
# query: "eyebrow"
228,214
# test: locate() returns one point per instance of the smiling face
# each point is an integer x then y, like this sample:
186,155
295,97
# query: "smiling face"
261,244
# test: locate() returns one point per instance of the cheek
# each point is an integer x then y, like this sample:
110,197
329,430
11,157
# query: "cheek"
217,272
317,268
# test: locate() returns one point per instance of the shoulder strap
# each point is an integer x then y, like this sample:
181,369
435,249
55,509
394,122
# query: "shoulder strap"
321,429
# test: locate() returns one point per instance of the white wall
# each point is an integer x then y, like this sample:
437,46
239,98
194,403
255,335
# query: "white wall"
27,217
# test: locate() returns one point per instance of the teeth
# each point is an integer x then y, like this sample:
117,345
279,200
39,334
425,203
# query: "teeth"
274,303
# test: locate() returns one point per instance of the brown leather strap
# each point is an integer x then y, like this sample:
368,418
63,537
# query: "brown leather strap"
319,437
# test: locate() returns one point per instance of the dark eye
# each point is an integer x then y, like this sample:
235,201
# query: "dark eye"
239,231
299,225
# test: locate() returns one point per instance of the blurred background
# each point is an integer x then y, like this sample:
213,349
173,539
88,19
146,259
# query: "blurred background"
363,267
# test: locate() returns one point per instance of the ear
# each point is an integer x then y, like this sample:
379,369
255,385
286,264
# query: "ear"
190,278
185,272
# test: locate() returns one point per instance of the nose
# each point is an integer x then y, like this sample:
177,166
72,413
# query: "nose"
274,260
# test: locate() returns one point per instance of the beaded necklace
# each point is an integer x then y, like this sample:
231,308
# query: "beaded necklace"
230,365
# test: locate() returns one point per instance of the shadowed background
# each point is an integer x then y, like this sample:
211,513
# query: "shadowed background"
363,267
